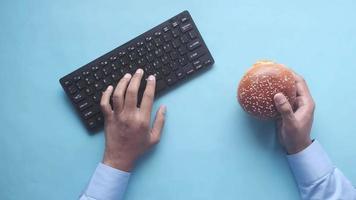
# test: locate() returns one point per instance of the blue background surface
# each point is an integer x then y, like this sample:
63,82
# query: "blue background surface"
210,149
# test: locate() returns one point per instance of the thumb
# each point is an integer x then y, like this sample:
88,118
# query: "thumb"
284,107
158,126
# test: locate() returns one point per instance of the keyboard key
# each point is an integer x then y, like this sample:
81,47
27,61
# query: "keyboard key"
103,63
107,70
157,34
139,43
157,64
90,112
167,48
91,123
83,105
72,89
186,27
176,43
184,39
142,51
174,55
180,74
98,75
94,68
81,84
184,19
167,37
205,60
99,118
131,48
148,38
171,79
67,83
160,85
89,80
166,70
150,46
158,75
77,78
182,50
150,57
115,77
133,56
175,23
78,97
113,58
85,73
165,59
175,33
174,65
88,91
107,81
98,86
183,61
124,60
96,98
121,53
158,42
188,69
197,64
158,52
192,34
194,44
166,29
196,54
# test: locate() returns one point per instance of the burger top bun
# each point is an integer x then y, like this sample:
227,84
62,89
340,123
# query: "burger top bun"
259,85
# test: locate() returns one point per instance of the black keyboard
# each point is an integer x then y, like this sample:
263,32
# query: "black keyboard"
172,51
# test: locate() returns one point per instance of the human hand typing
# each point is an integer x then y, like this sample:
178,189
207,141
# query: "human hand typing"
128,133
293,127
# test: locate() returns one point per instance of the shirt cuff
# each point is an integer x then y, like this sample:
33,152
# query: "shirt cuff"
310,164
107,183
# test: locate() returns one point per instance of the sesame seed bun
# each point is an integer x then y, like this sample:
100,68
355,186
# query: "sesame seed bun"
259,85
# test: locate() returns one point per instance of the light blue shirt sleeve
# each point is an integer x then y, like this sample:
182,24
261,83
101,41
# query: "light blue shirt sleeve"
317,177
107,183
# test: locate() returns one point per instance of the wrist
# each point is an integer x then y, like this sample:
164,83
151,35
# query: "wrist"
293,149
121,164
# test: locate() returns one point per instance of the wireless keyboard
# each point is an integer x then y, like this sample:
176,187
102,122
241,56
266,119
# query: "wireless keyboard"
172,51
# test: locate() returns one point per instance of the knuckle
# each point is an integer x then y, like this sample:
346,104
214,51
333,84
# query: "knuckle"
131,91
116,96
144,124
149,95
123,119
103,104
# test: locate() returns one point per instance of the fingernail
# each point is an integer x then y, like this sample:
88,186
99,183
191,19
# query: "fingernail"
109,88
164,109
139,71
279,98
127,75
151,78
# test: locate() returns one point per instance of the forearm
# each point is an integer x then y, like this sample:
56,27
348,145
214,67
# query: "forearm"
106,183
316,176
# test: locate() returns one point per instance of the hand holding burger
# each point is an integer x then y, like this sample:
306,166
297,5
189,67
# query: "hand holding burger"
271,91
